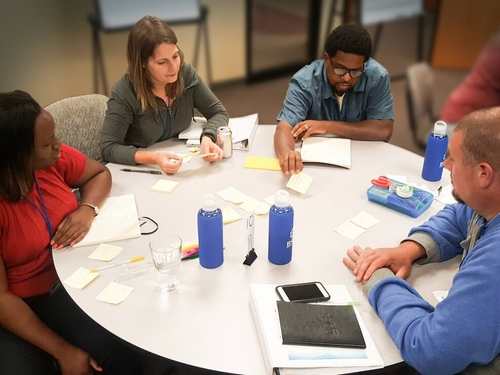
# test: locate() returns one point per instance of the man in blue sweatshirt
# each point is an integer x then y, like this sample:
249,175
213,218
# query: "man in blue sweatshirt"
462,333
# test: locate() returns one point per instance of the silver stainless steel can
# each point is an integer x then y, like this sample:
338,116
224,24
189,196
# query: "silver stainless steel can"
226,141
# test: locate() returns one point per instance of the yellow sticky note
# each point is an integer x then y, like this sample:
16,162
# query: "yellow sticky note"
164,186
114,293
105,252
229,215
80,278
299,182
259,162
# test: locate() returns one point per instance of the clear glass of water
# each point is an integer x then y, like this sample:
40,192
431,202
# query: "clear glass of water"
166,253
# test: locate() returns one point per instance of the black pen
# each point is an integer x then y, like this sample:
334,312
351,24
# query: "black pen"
150,171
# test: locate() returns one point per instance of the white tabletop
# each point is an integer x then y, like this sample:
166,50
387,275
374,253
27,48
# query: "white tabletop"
207,321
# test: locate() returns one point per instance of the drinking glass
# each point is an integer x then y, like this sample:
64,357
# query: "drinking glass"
166,253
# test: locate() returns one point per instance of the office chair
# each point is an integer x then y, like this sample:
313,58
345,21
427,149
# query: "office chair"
419,99
79,121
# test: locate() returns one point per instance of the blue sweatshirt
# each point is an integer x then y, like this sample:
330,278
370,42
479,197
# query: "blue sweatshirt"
463,329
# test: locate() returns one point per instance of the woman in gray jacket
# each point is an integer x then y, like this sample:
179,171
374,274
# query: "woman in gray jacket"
155,100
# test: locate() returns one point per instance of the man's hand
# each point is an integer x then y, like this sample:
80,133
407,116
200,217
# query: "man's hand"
302,130
364,263
291,162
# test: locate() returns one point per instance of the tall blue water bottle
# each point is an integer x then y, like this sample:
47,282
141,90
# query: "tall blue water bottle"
280,229
210,239
435,153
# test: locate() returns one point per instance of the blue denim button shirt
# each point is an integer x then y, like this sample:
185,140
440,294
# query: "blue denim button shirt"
310,96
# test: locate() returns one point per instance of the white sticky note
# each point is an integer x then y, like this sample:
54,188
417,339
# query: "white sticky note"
261,208
270,200
114,293
164,186
230,194
364,220
80,278
229,215
105,252
252,205
440,295
186,158
446,196
350,230
299,182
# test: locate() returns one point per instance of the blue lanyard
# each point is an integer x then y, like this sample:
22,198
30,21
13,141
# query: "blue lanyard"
43,211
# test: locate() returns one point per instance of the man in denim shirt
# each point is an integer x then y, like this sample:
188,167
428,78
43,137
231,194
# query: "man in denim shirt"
347,94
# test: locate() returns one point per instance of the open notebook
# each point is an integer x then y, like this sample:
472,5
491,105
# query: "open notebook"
306,360
117,220
327,150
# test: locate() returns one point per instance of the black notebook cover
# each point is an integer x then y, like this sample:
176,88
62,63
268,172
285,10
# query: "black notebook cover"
319,325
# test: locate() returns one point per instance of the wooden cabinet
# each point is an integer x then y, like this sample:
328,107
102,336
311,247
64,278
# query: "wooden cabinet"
464,27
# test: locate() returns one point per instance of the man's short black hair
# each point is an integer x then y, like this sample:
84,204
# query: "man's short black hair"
349,38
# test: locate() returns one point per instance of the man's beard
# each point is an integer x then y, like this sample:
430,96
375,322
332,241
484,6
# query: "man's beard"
456,196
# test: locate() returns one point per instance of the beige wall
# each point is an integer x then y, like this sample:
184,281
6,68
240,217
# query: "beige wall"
46,46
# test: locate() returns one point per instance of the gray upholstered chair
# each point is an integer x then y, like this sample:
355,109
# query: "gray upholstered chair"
420,98
79,121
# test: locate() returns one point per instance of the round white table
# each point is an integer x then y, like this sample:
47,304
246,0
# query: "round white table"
207,322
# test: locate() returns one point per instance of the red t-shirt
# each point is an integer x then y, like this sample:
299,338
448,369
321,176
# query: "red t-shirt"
481,88
24,236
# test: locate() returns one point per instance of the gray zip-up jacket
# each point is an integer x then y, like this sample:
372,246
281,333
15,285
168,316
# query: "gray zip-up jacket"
126,128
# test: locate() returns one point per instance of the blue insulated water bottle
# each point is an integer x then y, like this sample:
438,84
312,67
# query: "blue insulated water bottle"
210,243
435,153
280,229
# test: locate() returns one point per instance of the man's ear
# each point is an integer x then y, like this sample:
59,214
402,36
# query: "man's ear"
486,174
325,57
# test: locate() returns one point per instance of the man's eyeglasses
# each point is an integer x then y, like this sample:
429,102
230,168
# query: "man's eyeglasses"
353,73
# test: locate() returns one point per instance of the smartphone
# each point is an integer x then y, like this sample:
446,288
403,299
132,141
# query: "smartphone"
304,292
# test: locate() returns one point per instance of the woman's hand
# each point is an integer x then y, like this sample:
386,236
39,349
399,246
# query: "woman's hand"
73,228
75,361
168,162
208,146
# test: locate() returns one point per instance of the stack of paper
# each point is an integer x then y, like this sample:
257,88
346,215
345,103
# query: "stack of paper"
243,131
295,359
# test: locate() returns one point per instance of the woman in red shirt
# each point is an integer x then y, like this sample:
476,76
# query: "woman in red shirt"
42,331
